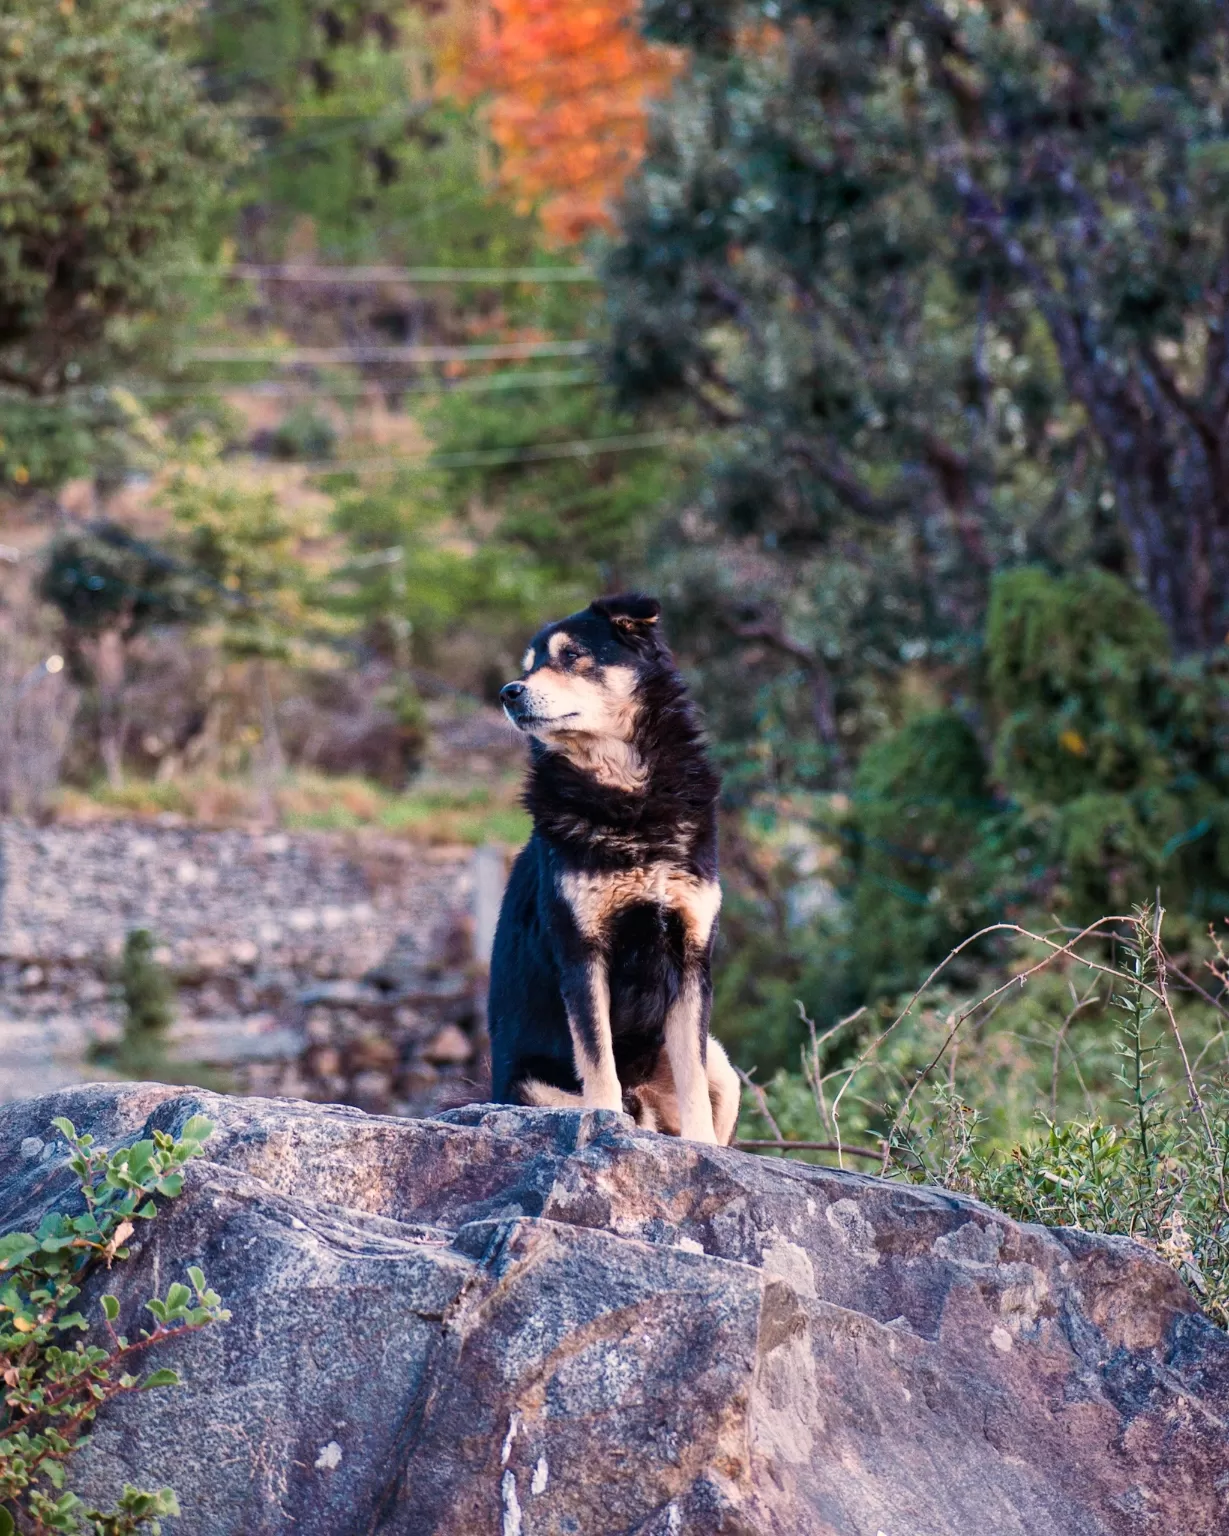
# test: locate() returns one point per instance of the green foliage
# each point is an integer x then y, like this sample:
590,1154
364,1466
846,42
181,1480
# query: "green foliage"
1115,754
41,445
1102,775
113,163
244,549
354,150
146,989
55,1384
1074,665
920,801
945,284
304,433
101,578
1129,1065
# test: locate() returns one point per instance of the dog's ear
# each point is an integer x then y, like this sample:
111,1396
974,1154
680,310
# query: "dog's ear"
632,612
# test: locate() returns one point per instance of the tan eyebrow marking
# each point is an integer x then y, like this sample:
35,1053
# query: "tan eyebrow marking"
557,642
527,659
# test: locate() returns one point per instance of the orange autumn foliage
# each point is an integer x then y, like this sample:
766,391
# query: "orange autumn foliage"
567,86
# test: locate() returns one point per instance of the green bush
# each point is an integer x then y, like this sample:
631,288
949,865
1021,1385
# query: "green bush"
54,1386
1114,755
920,800
1073,666
1104,774
115,161
1087,1089
304,433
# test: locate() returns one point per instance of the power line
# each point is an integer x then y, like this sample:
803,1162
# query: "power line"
487,352
533,453
542,378
314,274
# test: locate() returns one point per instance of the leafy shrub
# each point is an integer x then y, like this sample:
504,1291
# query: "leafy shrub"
147,993
101,578
1115,756
304,433
42,445
114,163
1103,775
920,801
1134,1136
54,1387
1072,667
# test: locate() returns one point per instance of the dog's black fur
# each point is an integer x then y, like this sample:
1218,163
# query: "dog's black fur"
595,834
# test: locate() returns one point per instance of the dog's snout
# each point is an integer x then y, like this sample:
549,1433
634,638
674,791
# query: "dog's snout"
511,693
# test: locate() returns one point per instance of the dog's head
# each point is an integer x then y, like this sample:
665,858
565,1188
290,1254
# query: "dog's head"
581,676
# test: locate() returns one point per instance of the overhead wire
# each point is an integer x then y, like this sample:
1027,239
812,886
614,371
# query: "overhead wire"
301,272
531,453
481,352
496,383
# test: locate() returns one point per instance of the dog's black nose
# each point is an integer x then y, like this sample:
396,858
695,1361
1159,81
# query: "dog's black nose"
511,693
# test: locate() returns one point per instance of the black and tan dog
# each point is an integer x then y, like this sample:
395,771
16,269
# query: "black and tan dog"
600,977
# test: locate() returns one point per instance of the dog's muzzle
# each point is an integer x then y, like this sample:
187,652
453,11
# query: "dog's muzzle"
515,699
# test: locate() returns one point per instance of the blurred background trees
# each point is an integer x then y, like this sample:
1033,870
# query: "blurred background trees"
342,345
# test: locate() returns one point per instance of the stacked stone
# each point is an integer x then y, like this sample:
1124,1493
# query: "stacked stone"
407,1039
338,969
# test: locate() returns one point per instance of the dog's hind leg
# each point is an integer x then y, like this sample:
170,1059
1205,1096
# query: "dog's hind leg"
539,1095
685,1028
724,1091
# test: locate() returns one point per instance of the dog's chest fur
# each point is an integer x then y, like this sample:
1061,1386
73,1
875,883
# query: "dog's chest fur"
597,897
648,842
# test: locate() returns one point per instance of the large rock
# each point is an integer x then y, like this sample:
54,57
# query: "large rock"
532,1323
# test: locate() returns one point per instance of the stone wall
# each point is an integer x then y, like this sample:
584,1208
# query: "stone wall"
307,964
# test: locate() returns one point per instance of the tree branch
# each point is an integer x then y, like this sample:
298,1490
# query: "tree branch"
823,710
834,472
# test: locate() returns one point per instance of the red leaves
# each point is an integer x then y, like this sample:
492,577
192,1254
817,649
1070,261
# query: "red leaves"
568,87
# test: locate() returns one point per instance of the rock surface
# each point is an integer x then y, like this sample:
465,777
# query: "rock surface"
539,1323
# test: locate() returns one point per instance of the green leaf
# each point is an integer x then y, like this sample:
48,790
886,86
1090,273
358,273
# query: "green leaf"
16,1246
162,1378
7,1528
197,1277
198,1128
171,1185
66,1128
71,1320
178,1296
110,1307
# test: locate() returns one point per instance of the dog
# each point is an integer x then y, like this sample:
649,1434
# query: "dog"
601,973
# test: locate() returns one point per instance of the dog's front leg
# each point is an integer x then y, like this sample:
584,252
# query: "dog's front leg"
586,995
686,1033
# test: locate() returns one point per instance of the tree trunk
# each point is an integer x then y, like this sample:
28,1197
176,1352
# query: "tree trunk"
109,673
272,758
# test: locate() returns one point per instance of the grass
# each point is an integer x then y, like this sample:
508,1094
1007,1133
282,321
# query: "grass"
427,813
1089,1088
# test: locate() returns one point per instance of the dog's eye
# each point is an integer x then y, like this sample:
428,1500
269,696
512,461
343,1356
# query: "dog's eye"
569,654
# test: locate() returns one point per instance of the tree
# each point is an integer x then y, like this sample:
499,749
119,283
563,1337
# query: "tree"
568,89
111,163
109,588
260,593
949,285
